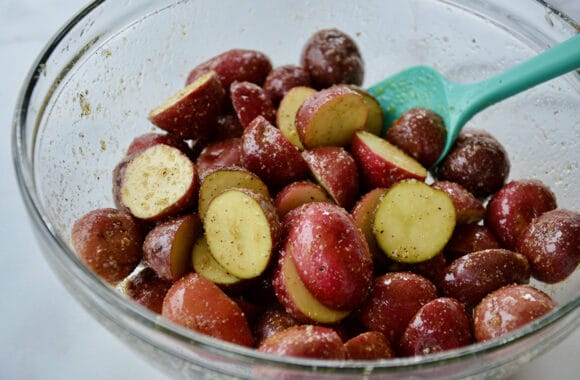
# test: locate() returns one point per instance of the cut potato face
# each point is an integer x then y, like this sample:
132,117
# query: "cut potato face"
241,230
413,221
204,264
286,114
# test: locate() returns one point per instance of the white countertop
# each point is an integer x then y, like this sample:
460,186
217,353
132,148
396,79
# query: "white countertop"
44,333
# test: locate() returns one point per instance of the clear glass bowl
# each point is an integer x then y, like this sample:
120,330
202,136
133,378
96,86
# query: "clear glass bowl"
89,92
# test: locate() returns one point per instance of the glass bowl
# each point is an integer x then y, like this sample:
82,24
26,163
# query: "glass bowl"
89,92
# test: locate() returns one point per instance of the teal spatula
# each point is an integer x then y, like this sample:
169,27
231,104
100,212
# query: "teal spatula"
422,86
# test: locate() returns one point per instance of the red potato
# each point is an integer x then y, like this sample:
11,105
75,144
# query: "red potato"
142,142
331,117
242,230
147,289
335,170
167,247
382,164
282,79
513,207
508,309
394,300
331,255
370,345
332,57
551,242
198,304
235,65
298,193
473,276
438,326
413,222
431,269
477,161
108,241
227,126
204,264
376,117
305,341
250,101
469,238
220,154
156,183
286,113
272,321
270,155
190,113
297,300
363,214
468,209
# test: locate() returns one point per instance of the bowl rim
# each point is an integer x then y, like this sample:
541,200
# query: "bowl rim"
69,261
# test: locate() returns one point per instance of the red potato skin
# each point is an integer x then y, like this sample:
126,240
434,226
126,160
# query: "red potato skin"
142,142
297,194
109,242
469,238
468,209
395,298
281,79
148,289
331,255
270,155
370,345
508,309
228,126
513,207
551,242
271,322
336,171
220,154
198,304
473,276
440,325
305,341
250,101
235,65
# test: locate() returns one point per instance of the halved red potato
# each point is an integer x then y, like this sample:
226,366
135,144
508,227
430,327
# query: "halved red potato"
190,113
381,163
282,79
219,154
298,193
156,183
286,113
376,118
250,101
109,242
335,170
272,321
167,247
270,155
196,303
147,289
305,341
144,141
363,214
242,230
413,221
330,117
370,345
204,264
468,209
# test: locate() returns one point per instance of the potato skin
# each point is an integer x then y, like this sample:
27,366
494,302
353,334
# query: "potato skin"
142,142
250,101
508,309
332,57
109,242
468,209
306,341
370,345
148,289
220,154
270,322
282,79
551,242
469,238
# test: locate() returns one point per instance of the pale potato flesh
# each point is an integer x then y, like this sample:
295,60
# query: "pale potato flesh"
205,264
413,221
286,115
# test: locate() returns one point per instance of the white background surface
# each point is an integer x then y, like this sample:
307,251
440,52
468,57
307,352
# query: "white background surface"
44,333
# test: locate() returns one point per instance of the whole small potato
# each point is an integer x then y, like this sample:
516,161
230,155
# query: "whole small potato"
306,341
370,345
332,57
469,238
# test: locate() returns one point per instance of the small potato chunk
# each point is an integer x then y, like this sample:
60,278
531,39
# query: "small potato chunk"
109,242
142,142
282,79
363,214
198,304
331,117
473,276
305,341
272,321
413,221
250,101
468,209
394,300
286,113
204,264
242,230
381,163
376,119
508,309
156,183
270,155
477,162
189,113
167,247
421,133
513,207
148,289
297,194
370,345
438,326
335,170
469,238
220,154
332,57
551,242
